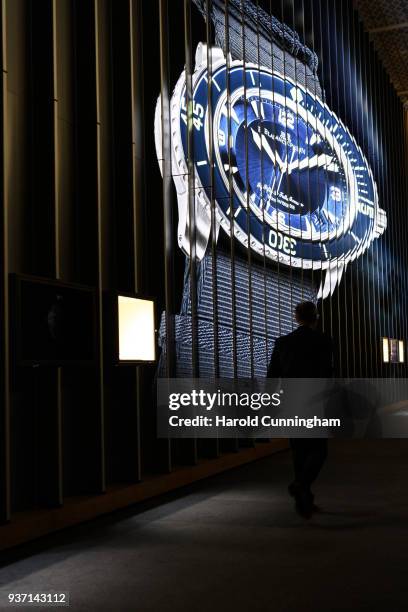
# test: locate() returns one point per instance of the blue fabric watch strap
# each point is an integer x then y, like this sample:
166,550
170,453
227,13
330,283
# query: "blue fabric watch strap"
262,310
262,39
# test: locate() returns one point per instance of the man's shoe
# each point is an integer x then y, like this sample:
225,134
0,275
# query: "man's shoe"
304,510
292,489
295,489
303,499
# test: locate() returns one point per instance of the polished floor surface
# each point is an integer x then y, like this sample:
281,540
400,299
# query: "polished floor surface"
234,543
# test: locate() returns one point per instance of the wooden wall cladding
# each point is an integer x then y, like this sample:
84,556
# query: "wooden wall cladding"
73,207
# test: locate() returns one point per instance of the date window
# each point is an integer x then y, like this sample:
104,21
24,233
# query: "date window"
286,118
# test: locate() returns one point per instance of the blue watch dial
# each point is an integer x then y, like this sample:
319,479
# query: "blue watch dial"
288,179
281,164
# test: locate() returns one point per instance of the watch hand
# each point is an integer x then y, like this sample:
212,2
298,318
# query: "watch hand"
262,143
317,161
281,163
286,164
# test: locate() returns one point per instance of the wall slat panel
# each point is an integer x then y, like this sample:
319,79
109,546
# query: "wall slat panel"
168,201
123,212
5,473
142,392
102,53
83,393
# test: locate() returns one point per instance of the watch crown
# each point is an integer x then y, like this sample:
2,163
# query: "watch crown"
380,223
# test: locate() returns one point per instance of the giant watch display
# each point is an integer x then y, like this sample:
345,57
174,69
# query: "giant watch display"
287,178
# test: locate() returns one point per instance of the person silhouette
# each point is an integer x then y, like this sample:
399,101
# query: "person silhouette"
304,353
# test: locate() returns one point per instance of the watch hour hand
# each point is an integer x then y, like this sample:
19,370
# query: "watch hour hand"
281,163
262,143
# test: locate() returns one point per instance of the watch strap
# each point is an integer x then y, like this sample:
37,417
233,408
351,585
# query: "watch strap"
254,36
253,305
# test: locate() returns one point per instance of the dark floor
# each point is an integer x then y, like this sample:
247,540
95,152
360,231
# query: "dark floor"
234,543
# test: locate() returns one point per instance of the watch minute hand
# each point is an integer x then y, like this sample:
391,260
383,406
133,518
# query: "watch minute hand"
317,161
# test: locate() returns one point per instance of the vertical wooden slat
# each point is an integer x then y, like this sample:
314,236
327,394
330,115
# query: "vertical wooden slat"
57,488
372,129
190,450
210,447
136,75
403,230
84,443
231,444
4,295
63,190
55,68
43,211
366,334
168,199
99,259
168,204
378,135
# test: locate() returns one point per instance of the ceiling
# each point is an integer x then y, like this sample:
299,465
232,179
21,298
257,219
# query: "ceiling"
387,23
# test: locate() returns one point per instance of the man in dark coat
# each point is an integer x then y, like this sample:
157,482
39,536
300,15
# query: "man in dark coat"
304,353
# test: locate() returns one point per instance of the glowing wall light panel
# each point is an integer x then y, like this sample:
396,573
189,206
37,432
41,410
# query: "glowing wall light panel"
136,329
401,351
386,350
393,350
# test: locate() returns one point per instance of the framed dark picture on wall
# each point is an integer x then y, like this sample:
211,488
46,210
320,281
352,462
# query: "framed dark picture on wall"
53,323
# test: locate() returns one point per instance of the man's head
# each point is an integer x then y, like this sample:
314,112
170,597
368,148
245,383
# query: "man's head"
306,314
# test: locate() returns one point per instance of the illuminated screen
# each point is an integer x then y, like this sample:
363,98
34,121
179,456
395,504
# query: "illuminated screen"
136,329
